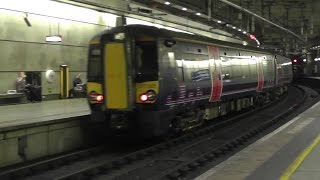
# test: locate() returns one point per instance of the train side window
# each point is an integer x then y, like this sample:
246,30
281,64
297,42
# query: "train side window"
95,64
192,62
180,74
245,68
225,68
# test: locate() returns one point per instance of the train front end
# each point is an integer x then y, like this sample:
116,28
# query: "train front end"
123,80
110,83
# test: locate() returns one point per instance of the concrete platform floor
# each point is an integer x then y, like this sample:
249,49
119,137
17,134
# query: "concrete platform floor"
286,153
12,116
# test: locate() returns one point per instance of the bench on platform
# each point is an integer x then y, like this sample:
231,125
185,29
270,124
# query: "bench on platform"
14,98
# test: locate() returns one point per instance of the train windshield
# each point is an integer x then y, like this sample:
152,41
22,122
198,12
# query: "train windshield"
146,61
95,64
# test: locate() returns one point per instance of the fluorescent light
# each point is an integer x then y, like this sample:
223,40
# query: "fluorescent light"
167,3
233,27
219,21
137,21
50,8
239,29
184,9
55,38
198,14
244,32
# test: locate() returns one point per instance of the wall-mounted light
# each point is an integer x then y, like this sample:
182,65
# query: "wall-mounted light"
54,38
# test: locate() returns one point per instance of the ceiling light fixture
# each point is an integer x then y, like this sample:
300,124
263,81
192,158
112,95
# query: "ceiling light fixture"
167,3
198,14
55,38
219,21
184,9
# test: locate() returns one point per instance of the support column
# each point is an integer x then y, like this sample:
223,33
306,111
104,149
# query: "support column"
64,81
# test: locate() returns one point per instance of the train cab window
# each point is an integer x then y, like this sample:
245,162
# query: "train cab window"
146,61
95,64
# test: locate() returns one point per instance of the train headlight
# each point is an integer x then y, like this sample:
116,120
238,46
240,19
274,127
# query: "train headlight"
151,95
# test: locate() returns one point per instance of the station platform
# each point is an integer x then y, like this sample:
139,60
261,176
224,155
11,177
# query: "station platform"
35,114
35,130
310,81
290,152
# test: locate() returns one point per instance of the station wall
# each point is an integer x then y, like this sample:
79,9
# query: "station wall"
23,47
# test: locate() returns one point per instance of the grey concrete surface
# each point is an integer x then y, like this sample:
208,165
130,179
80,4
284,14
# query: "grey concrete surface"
36,113
270,156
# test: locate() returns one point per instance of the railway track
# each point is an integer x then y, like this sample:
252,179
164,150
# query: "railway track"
177,158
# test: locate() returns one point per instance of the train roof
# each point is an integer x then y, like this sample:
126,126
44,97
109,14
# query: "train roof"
164,33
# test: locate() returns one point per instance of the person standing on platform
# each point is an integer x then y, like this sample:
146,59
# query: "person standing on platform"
77,80
21,85
21,82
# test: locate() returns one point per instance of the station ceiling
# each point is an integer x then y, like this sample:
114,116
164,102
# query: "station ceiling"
289,26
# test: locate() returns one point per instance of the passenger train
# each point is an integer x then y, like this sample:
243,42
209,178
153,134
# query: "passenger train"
155,80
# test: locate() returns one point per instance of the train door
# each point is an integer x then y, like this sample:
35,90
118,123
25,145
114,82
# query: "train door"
278,72
215,70
146,69
117,74
260,73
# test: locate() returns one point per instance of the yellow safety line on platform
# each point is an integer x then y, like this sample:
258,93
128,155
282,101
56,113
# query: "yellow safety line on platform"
296,163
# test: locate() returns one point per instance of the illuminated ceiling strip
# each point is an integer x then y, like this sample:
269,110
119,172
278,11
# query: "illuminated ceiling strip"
117,11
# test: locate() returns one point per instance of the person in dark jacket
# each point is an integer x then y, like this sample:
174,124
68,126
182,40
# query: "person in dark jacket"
77,80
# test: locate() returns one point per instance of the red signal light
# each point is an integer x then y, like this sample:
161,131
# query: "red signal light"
96,98
143,97
253,37
99,98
